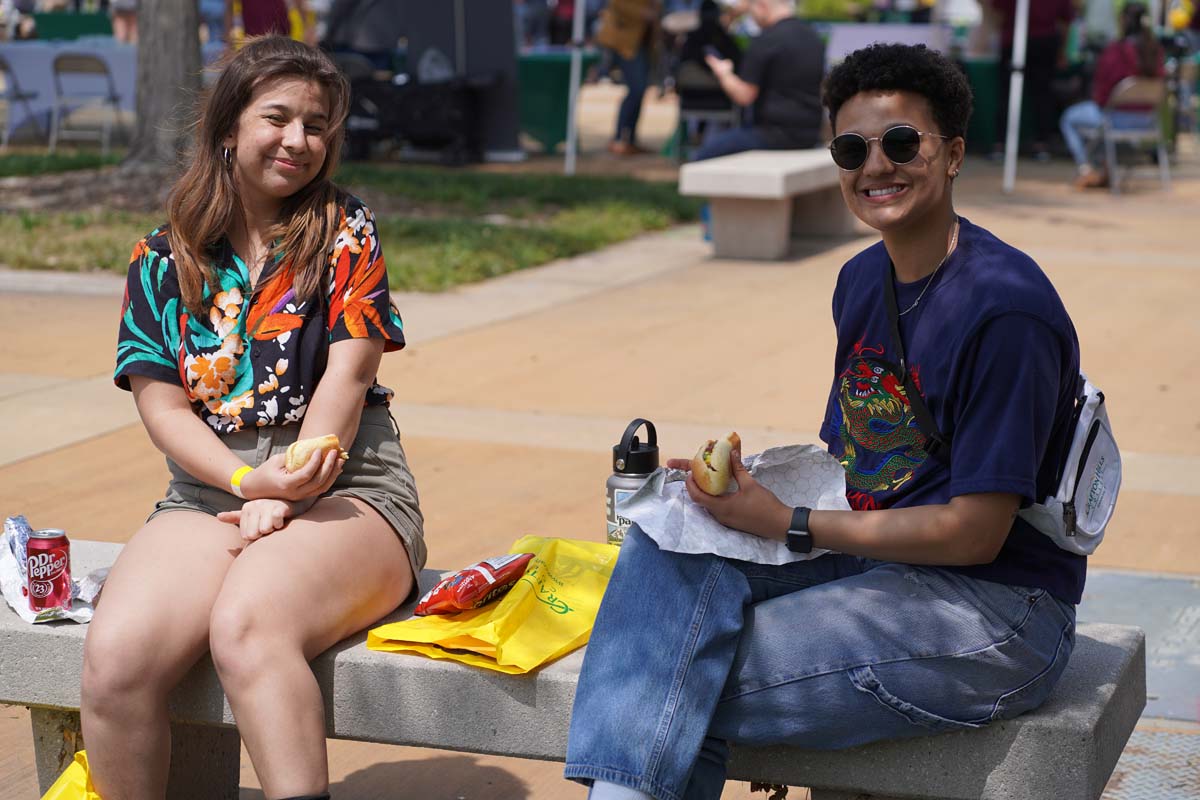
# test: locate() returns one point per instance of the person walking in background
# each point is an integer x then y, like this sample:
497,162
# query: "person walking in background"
1137,52
256,318
629,29
779,80
1044,54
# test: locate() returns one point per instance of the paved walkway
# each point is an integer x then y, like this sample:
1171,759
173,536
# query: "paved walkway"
512,393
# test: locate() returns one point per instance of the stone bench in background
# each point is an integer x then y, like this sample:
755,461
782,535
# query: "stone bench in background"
759,200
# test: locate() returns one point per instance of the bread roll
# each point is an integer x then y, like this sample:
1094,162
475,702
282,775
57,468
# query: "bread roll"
711,467
300,451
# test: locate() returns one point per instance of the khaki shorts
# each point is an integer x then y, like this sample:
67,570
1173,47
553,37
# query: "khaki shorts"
377,473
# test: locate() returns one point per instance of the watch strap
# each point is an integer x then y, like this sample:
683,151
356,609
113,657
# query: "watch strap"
799,539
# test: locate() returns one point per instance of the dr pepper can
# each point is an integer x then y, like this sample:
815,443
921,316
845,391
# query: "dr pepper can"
48,570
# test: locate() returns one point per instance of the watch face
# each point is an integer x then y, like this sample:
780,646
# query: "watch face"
799,542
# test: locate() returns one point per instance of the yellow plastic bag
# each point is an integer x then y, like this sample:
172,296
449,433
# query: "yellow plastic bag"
75,783
547,614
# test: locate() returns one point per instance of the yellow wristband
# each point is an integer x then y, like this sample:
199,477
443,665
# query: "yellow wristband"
235,480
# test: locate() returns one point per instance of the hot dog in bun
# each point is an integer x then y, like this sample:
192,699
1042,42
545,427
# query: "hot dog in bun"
711,467
299,452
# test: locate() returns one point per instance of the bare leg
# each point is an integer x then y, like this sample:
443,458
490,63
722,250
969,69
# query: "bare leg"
151,625
124,25
290,596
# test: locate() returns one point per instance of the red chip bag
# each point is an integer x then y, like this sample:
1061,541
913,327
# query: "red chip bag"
477,585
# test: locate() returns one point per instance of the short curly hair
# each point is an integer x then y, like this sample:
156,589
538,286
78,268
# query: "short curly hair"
903,67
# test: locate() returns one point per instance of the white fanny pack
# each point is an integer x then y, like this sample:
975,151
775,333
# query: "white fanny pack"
1089,477
1075,516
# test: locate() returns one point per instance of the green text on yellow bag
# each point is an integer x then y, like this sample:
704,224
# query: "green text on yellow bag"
75,783
547,614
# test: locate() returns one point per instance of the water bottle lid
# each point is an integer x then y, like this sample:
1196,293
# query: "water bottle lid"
634,457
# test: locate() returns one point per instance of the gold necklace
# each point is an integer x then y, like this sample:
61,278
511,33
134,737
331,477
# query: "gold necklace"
949,250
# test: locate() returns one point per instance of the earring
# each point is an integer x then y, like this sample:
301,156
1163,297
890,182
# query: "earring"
953,173
228,156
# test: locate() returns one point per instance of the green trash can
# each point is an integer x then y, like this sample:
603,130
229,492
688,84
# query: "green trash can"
67,25
983,74
544,77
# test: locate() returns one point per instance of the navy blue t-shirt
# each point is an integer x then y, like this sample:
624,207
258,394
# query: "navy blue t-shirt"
996,358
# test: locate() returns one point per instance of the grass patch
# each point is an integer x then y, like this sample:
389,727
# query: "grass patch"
432,255
72,241
549,217
12,164
516,194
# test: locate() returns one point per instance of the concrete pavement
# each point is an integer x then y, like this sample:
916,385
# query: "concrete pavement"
512,392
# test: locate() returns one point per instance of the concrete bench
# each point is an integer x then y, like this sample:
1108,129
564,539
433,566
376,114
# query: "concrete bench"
759,200
1065,750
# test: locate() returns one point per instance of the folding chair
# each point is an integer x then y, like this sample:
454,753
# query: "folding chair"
701,99
10,95
1133,115
91,85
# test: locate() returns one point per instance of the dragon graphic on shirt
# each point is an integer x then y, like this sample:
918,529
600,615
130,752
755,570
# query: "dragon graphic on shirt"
883,444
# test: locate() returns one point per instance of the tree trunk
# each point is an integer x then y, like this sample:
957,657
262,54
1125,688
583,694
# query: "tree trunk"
168,83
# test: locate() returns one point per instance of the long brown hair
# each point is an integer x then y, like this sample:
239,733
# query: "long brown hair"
204,203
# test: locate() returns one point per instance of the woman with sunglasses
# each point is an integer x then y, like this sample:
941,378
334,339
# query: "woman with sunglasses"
937,609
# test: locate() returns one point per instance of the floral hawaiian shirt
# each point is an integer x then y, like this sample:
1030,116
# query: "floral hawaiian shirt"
254,360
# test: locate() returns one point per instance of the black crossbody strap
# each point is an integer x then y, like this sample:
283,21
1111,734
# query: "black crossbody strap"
936,445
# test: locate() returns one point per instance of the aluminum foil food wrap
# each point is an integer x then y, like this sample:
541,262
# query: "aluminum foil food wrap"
799,475
13,545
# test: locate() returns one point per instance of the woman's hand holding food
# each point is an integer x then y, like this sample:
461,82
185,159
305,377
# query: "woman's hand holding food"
271,479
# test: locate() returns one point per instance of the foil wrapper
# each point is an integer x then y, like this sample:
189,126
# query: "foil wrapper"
799,475
13,546
16,533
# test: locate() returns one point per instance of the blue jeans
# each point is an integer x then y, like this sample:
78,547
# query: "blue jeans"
728,142
692,651
635,72
1086,118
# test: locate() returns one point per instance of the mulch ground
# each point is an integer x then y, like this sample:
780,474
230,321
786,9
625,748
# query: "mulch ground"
85,190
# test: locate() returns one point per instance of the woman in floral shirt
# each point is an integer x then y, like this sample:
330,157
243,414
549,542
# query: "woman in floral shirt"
256,317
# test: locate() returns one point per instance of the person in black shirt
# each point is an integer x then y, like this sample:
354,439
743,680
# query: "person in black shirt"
779,79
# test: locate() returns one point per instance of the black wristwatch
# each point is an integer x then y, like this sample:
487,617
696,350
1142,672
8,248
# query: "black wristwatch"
799,540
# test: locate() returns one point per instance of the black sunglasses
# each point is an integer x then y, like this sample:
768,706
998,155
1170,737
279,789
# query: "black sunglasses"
900,144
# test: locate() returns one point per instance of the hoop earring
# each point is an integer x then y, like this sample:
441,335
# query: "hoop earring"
228,156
